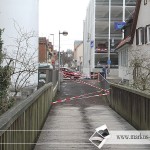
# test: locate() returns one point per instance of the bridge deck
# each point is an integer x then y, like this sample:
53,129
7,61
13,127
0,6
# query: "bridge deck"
70,124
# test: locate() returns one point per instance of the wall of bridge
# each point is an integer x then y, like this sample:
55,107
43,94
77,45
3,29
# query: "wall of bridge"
21,125
131,104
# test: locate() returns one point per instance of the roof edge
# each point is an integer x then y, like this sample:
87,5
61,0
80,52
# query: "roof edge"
135,18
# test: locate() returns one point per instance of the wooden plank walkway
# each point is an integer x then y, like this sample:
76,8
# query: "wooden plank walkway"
70,124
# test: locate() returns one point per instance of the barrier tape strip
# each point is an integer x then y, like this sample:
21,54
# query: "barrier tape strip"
87,84
80,81
75,97
70,99
85,96
106,92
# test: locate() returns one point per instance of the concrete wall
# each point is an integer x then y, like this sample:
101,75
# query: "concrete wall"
123,73
78,55
131,104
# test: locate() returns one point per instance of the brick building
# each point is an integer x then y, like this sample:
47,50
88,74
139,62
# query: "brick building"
45,50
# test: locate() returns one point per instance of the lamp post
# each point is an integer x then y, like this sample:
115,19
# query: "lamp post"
65,34
108,61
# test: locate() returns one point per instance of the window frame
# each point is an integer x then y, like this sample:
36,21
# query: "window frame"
148,34
145,2
123,58
140,36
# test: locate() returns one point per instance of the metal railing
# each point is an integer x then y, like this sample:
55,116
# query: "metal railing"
103,83
21,125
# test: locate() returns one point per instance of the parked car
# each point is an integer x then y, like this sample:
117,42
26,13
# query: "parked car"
69,73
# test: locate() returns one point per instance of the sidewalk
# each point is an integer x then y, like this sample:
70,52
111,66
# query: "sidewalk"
71,123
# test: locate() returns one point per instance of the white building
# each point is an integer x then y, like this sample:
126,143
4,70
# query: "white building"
99,33
78,56
20,17
136,45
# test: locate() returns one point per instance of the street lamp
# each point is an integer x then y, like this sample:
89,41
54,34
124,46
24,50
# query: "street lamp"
65,34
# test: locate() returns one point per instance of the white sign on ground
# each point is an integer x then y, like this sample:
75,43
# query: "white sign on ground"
100,136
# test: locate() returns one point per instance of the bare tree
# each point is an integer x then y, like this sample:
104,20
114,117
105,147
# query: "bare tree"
23,56
5,73
67,57
140,69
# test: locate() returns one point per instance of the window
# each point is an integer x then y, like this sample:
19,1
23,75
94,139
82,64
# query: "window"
147,33
136,71
101,59
145,2
123,58
140,36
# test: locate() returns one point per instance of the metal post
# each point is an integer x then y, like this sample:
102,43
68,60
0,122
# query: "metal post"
59,65
109,37
59,76
123,17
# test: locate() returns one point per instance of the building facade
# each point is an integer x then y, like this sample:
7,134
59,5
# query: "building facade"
46,52
78,56
134,51
100,36
43,50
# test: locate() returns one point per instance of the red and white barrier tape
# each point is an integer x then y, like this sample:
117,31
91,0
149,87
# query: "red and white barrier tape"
80,81
76,97
85,96
106,92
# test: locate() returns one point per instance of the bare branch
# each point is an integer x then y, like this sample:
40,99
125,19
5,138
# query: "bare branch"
22,58
140,66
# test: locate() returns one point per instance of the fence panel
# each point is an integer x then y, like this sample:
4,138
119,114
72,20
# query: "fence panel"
21,125
131,104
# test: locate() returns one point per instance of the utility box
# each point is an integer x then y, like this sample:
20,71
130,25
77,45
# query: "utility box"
45,73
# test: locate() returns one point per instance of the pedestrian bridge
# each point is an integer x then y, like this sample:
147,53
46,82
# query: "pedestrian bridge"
67,124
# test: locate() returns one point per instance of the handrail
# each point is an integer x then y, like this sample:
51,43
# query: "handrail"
7,118
131,89
103,83
23,122
131,104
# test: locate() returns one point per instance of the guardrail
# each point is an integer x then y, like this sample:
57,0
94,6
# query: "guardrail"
103,83
21,125
131,104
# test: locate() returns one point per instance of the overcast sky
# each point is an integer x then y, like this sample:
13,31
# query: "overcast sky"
62,15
